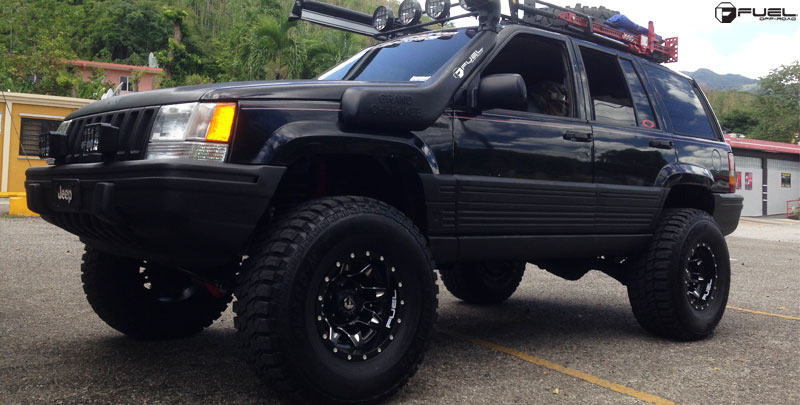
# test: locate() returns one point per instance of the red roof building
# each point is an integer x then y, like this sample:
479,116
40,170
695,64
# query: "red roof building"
767,175
765,146
120,74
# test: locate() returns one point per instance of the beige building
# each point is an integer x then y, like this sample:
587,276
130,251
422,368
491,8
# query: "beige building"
22,118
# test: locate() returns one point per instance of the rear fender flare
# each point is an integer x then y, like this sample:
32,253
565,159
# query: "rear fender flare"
675,174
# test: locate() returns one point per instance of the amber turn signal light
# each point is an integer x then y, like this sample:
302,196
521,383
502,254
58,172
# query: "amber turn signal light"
221,123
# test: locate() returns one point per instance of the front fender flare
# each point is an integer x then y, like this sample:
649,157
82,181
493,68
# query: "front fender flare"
301,139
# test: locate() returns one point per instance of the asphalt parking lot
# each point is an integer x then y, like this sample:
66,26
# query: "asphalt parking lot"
554,341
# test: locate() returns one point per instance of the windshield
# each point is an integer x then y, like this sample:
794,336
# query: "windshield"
411,59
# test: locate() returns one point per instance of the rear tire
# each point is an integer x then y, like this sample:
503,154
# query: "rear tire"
337,300
679,288
482,283
145,301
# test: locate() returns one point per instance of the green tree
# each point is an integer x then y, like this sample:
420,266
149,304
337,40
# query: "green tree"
740,121
323,54
779,104
114,30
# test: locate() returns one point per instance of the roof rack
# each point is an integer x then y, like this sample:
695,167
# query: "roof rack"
579,25
583,26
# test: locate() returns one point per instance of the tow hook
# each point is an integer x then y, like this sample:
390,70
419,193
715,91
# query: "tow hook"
214,290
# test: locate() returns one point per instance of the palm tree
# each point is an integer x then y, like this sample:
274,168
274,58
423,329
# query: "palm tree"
323,54
274,50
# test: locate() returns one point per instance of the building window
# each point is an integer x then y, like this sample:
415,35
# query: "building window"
31,129
127,83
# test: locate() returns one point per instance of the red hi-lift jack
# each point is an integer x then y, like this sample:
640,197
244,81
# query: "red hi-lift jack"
649,46
638,44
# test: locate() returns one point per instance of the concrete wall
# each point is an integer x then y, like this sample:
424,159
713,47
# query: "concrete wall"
777,195
753,197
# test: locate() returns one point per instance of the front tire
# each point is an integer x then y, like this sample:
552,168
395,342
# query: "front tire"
482,283
146,301
337,300
680,287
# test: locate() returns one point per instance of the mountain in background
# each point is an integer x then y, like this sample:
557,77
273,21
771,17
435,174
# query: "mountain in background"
709,80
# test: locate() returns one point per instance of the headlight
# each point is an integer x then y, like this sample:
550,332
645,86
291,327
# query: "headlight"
410,12
437,9
64,127
383,18
197,131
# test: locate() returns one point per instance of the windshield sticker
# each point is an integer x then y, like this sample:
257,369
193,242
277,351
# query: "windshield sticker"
419,79
418,38
458,73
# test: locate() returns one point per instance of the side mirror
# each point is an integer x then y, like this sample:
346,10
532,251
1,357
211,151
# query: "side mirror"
506,91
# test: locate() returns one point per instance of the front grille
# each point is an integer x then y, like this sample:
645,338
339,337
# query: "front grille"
134,132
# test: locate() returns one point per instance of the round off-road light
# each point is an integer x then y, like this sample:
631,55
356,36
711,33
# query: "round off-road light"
474,5
383,18
437,9
410,13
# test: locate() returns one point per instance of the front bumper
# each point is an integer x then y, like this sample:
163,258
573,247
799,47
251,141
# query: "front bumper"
727,209
191,214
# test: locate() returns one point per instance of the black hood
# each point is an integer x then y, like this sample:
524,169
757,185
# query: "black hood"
286,90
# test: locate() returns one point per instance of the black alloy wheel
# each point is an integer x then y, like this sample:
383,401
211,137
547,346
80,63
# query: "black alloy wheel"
700,276
336,301
360,306
679,287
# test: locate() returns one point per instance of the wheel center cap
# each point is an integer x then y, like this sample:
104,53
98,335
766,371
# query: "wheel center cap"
348,303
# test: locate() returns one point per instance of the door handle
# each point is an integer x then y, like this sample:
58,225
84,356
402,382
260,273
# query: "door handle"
662,144
578,136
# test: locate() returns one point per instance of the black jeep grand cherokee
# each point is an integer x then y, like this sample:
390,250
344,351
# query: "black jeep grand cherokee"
325,206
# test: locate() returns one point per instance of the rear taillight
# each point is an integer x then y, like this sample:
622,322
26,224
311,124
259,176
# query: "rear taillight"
731,173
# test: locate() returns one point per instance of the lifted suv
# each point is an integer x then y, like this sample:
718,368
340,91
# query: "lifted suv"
325,206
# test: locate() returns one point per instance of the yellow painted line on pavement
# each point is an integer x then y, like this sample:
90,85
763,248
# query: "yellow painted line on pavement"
794,318
568,371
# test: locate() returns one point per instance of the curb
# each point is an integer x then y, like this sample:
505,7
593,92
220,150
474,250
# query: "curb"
18,206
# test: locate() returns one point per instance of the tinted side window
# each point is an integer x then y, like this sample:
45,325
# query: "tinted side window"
542,63
684,108
644,110
611,100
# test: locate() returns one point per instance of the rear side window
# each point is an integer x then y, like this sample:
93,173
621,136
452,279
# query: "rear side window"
644,110
684,107
611,100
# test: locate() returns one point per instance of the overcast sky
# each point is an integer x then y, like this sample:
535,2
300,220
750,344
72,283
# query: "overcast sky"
746,46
